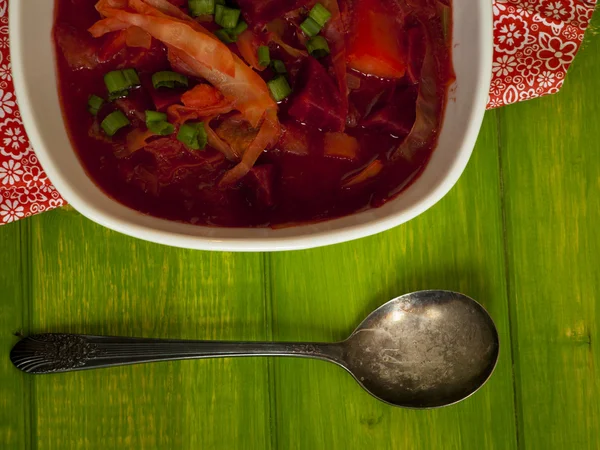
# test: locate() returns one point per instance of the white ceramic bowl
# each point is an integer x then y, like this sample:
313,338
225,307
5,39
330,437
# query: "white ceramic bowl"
34,75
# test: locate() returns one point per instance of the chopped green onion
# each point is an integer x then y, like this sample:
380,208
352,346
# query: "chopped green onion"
121,80
230,35
227,17
154,116
115,81
157,123
169,79
132,77
320,14
240,28
219,8
162,128
280,88
202,136
278,66
117,95
114,122
317,47
264,56
310,27
201,7
94,104
187,134
193,135
226,36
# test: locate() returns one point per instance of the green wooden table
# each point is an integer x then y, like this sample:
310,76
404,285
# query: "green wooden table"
520,232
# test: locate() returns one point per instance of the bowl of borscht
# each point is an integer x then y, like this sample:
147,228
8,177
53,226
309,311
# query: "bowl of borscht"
252,125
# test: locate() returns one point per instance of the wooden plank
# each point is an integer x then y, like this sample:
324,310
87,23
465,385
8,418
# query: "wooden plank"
323,294
551,165
14,385
87,279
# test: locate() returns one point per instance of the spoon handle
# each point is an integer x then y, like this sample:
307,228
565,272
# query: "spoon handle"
51,353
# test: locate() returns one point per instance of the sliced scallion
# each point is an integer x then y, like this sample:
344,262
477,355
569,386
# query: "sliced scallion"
226,36
193,135
187,134
157,123
132,77
114,122
278,66
280,88
230,35
320,14
240,28
155,116
264,56
219,9
121,80
317,47
162,128
201,7
169,79
227,17
310,27
202,136
94,104
115,81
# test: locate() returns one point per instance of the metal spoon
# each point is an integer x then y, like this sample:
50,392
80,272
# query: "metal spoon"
421,350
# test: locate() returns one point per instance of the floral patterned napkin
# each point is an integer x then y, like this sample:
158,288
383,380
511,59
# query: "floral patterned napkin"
535,42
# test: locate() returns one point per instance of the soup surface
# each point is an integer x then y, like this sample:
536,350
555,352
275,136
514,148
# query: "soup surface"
253,113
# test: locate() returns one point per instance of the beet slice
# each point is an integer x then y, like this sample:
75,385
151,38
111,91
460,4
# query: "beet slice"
317,101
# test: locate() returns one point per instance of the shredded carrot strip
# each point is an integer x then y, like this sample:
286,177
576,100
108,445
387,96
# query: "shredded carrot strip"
247,45
368,172
340,145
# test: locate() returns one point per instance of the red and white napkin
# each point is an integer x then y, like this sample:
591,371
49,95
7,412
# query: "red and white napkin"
535,42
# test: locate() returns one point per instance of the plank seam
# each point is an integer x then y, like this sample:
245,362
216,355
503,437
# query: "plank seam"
271,388
512,322
27,320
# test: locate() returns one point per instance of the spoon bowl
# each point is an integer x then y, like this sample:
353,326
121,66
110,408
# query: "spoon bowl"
422,350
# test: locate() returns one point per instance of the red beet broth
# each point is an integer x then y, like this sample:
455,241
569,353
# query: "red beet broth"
292,181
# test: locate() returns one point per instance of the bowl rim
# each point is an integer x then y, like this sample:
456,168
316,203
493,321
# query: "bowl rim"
176,234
